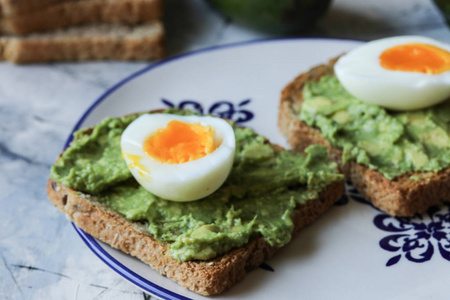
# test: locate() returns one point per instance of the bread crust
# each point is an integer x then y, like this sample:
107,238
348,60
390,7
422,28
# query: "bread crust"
402,196
203,277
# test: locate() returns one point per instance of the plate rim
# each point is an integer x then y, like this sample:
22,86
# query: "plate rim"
92,243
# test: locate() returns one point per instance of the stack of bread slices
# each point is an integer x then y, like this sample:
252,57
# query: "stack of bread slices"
70,30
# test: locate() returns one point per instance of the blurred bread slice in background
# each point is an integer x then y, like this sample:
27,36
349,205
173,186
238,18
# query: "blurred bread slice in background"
90,42
38,31
82,12
14,7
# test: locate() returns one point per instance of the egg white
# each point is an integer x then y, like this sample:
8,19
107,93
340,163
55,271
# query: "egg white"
179,182
362,75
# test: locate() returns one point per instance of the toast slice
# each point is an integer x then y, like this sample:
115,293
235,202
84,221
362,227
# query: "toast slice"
90,42
14,7
206,277
406,195
74,13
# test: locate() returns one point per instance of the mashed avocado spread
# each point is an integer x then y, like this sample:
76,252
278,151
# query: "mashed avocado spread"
394,143
257,199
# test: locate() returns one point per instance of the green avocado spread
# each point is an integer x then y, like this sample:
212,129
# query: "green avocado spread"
257,199
394,143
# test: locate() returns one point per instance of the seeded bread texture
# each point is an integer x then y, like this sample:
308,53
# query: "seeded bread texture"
208,277
74,13
405,196
90,42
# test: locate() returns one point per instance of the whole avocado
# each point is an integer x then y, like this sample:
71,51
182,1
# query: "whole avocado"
273,16
444,6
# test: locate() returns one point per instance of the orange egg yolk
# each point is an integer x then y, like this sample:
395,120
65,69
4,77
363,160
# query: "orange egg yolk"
180,142
422,58
135,163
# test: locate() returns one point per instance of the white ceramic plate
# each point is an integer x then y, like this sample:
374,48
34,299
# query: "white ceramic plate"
352,252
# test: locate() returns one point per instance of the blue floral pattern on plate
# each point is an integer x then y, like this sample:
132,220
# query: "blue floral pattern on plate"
416,237
224,109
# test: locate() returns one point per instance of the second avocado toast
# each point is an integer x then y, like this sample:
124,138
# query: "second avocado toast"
398,160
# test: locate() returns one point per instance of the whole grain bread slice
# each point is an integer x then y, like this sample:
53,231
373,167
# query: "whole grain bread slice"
407,195
90,42
203,277
74,13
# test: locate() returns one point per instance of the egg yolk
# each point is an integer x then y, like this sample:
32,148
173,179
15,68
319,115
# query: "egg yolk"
180,142
135,163
422,58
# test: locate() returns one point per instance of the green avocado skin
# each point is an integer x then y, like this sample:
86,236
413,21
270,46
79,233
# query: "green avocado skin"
444,6
274,16
257,199
394,143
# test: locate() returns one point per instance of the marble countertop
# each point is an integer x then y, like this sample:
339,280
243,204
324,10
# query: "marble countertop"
41,255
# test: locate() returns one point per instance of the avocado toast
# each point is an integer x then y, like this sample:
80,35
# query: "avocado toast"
206,245
397,189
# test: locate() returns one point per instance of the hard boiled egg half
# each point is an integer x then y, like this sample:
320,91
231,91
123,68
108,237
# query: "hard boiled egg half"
179,158
399,73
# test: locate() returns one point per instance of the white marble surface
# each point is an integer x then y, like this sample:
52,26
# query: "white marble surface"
41,255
